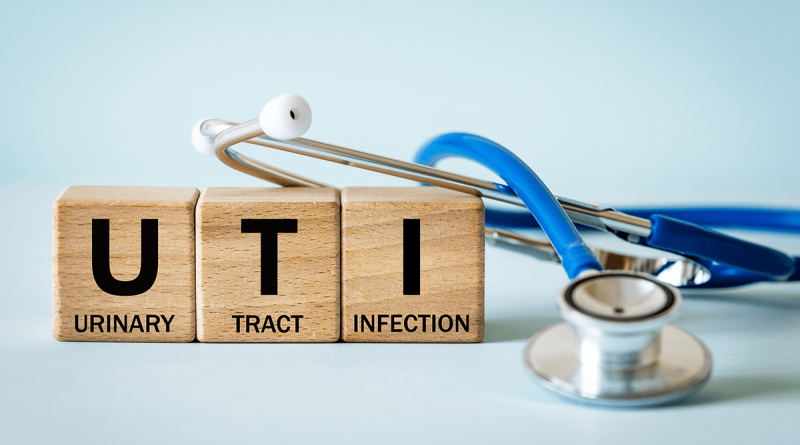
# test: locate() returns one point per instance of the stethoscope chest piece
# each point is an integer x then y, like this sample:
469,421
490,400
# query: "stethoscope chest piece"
616,348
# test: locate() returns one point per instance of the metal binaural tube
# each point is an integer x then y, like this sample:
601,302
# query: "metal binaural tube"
226,134
678,272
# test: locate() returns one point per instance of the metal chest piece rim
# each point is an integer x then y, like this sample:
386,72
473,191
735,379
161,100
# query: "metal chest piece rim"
615,348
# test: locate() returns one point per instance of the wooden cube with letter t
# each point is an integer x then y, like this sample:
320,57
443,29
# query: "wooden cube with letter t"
268,265
412,265
123,264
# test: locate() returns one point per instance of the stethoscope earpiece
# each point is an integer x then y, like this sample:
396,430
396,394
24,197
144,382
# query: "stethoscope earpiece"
287,116
202,143
616,348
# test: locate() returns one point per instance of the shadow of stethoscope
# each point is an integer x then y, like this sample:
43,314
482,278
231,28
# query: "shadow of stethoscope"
743,387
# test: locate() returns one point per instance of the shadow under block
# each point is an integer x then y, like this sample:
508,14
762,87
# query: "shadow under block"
274,278
123,264
386,260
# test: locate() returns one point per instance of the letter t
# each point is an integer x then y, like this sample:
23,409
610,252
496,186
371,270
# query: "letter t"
269,230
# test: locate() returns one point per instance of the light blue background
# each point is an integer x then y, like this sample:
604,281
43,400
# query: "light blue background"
610,102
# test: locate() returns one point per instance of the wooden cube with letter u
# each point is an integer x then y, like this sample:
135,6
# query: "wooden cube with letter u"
123,264
412,265
268,265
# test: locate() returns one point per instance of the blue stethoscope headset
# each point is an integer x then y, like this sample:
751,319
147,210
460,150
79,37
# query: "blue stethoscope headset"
615,347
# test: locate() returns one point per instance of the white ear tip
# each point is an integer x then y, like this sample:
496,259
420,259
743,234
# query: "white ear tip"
203,144
287,116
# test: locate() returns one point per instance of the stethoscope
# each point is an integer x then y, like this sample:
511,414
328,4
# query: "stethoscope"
615,347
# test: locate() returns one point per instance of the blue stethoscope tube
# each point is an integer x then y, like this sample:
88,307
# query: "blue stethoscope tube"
575,256
730,260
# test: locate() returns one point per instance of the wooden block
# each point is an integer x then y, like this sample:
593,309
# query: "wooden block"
412,265
268,265
123,264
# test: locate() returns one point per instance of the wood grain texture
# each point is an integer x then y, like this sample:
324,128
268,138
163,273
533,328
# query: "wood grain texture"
75,291
229,266
451,265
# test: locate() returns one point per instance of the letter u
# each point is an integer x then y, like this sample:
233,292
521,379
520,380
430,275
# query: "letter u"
101,263
85,323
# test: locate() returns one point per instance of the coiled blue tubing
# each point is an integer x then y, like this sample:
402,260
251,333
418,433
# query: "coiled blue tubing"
575,256
732,262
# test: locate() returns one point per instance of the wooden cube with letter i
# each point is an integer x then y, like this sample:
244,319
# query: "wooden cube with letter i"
268,265
412,265
123,264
